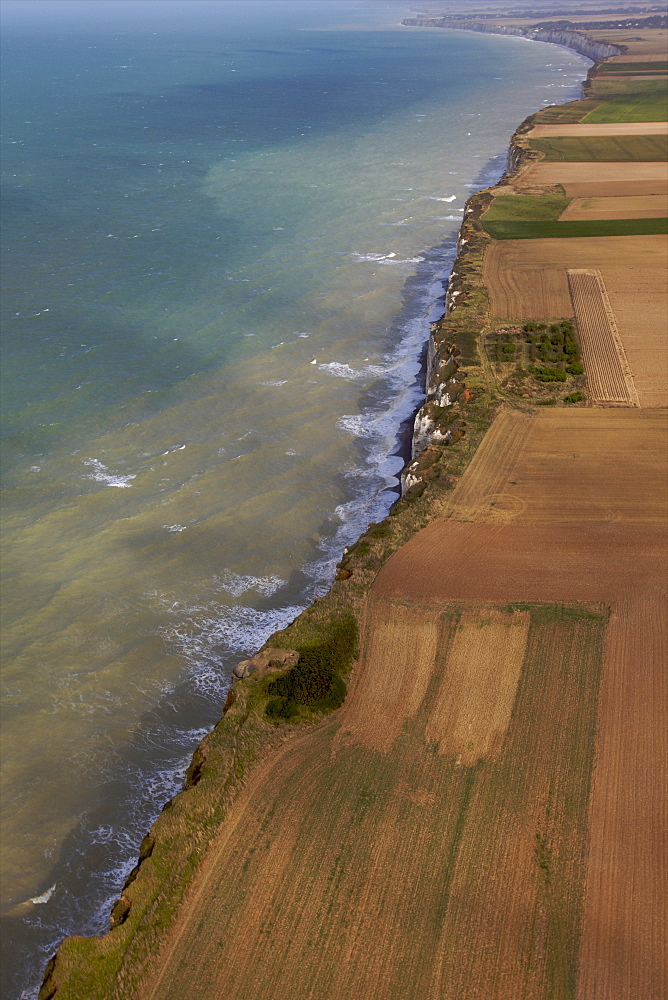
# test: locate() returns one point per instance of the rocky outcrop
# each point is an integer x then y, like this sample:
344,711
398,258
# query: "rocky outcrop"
120,912
265,659
579,41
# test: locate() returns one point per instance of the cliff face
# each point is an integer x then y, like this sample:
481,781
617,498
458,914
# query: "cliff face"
576,40
441,420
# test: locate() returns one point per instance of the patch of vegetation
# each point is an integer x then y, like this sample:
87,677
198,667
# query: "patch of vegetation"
543,354
546,374
519,230
574,397
317,681
546,614
648,107
281,708
603,148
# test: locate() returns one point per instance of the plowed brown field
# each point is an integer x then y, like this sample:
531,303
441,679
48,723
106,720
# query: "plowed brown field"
436,838
590,491
475,698
588,179
448,865
598,128
651,206
527,279
608,374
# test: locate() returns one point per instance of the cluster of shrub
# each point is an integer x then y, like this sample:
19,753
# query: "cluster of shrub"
554,344
317,682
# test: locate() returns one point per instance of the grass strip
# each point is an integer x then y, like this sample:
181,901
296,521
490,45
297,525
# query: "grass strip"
520,230
645,148
633,67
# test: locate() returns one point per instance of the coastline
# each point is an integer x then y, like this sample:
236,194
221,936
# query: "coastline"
578,41
456,412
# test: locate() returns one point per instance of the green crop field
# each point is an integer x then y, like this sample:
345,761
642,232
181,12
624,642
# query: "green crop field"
605,87
604,148
531,217
525,230
526,208
566,114
636,108
634,68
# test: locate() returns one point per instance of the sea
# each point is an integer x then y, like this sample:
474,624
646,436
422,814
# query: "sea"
226,228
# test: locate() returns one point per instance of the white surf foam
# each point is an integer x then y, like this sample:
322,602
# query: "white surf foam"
374,257
45,897
101,474
236,584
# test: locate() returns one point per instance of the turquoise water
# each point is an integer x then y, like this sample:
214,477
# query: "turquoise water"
225,229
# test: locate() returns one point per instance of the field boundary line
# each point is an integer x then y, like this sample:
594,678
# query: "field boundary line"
608,371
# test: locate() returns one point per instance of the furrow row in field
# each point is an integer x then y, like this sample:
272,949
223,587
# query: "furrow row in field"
624,951
608,372
483,492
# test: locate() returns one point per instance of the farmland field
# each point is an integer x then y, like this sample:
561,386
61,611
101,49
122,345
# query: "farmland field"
627,57
510,229
533,216
599,179
577,506
608,374
558,114
634,66
466,829
644,42
598,129
627,86
614,148
453,799
638,207
638,108
528,280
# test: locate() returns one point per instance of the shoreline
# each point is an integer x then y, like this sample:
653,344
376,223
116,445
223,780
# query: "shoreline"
447,407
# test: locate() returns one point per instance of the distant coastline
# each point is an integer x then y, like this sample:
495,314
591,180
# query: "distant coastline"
578,41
